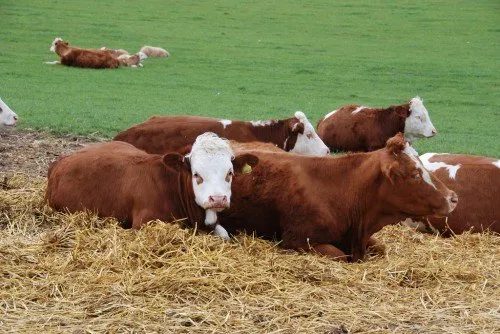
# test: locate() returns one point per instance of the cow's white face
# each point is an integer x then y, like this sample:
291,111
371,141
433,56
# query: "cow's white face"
308,142
212,171
53,46
7,116
418,124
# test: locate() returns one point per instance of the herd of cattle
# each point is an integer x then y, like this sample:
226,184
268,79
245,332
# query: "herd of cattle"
101,58
278,180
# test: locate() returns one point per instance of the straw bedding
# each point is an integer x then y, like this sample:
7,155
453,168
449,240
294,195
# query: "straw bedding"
78,273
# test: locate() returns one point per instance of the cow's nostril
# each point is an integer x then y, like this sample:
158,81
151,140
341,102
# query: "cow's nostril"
434,131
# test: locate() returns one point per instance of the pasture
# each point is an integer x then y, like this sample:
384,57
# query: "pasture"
252,60
258,60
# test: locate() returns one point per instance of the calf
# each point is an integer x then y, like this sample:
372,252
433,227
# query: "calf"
359,128
7,116
161,134
118,180
132,61
86,58
476,180
153,51
332,205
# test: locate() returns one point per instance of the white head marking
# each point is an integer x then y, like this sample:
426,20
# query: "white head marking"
212,171
410,151
7,116
418,124
53,46
308,143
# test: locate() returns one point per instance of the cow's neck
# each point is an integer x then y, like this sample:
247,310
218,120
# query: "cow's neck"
274,131
186,205
395,118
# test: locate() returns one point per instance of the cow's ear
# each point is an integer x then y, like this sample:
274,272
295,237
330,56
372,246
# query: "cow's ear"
176,161
391,170
244,163
65,43
298,127
396,144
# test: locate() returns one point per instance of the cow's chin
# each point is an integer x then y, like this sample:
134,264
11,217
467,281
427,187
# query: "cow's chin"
217,208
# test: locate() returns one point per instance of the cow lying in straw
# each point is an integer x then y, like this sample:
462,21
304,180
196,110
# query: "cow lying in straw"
476,180
118,180
161,134
333,205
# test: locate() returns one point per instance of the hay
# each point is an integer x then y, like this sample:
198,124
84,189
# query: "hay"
78,273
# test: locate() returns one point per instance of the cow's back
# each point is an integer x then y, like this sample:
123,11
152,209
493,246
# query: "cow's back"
161,134
476,180
107,178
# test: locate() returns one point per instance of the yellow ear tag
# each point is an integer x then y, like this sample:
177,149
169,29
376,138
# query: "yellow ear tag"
246,169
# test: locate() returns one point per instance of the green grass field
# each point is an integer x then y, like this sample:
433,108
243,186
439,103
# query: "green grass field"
258,60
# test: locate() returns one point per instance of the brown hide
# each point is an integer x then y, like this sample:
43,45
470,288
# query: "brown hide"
161,134
116,179
86,58
366,130
331,205
477,183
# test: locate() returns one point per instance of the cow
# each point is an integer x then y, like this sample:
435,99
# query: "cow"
132,60
161,134
359,128
476,180
153,51
86,58
333,205
7,116
115,179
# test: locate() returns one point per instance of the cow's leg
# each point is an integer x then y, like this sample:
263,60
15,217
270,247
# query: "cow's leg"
221,232
330,251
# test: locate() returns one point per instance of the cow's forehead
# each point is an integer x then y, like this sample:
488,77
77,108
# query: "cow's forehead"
413,155
417,106
303,119
210,150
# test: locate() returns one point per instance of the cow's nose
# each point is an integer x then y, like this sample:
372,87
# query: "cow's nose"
434,131
15,118
327,151
217,199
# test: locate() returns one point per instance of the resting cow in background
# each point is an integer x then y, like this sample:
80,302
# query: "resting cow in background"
7,116
332,205
86,58
161,134
476,180
154,51
118,180
359,128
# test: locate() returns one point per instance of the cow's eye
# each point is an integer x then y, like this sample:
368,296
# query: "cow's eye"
309,135
229,176
198,178
1,109
417,176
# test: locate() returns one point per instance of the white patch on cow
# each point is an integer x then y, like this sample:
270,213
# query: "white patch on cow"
410,151
434,166
418,124
7,116
210,217
225,122
210,160
142,55
308,143
329,114
358,109
261,123
496,163
53,46
221,232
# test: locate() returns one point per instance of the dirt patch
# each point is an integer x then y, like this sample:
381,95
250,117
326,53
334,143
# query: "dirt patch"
30,152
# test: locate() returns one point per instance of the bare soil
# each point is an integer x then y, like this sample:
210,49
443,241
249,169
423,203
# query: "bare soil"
31,152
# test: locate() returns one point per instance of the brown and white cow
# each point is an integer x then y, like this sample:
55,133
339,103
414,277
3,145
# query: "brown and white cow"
7,116
359,128
332,205
86,58
476,180
161,134
118,180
